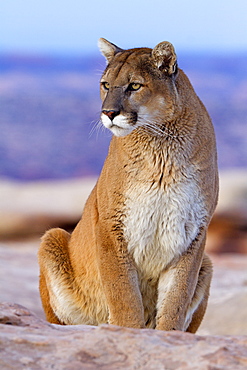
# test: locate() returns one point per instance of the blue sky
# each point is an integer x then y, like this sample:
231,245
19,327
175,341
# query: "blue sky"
74,26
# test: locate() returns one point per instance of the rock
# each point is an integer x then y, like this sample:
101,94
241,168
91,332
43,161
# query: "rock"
227,233
31,343
31,208
228,229
226,313
19,274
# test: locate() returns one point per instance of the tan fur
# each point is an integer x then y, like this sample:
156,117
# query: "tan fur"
136,258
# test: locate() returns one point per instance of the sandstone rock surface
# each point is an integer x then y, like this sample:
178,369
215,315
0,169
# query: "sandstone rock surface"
27,342
226,313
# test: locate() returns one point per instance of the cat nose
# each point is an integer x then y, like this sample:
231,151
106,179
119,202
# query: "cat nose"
111,113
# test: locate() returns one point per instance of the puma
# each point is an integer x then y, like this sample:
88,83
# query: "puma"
136,257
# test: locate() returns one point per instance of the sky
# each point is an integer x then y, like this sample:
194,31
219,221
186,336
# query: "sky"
74,26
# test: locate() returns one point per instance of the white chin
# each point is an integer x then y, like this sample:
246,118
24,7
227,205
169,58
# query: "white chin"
119,131
119,126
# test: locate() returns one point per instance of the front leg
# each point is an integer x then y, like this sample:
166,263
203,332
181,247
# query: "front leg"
119,280
177,286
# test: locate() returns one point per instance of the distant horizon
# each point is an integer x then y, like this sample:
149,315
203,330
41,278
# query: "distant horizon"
95,54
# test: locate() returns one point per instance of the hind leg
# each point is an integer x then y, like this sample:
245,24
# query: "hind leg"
200,298
45,299
54,265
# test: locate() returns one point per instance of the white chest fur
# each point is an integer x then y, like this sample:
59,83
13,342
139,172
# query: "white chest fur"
160,225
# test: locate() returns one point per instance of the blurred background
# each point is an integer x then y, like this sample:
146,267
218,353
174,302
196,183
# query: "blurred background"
50,67
52,146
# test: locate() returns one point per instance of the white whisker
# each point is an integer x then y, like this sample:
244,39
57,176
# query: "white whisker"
146,124
96,127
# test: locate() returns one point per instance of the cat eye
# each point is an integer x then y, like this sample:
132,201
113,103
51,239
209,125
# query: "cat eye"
106,85
134,86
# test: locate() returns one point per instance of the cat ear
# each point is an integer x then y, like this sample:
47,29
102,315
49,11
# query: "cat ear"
108,49
165,58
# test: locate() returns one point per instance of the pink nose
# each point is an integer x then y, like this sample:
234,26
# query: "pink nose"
110,113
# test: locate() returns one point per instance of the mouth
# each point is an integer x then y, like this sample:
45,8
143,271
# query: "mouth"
120,131
119,126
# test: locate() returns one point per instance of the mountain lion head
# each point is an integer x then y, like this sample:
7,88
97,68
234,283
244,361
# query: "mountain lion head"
138,88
